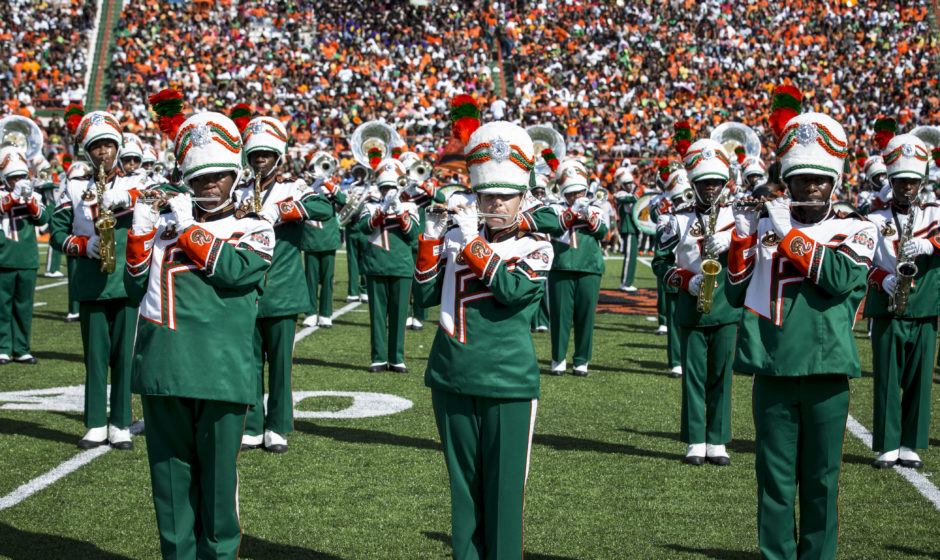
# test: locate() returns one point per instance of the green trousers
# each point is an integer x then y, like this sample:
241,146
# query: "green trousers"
660,303
630,247
53,260
318,266
486,445
17,287
902,357
108,328
540,317
417,311
674,335
572,298
274,344
800,427
707,354
192,447
353,256
69,269
388,306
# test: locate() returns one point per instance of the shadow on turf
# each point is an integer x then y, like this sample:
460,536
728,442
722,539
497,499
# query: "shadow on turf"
316,362
17,544
568,443
257,549
528,555
912,552
32,429
62,356
359,435
716,553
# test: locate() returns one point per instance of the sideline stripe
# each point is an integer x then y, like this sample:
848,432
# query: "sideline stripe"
918,480
42,481
53,285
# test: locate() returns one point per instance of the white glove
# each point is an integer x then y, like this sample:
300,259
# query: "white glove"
91,249
916,247
22,190
469,224
745,221
890,284
145,219
435,224
270,213
886,193
580,205
718,244
116,199
779,212
695,283
181,207
394,208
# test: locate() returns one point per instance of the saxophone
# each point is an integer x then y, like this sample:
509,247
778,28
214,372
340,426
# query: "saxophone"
905,270
711,268
104,223
256,201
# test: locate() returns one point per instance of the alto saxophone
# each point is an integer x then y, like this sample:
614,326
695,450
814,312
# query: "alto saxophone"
711,268
905,270
104,223
256,202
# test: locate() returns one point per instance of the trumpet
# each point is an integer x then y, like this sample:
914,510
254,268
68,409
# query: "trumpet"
105,225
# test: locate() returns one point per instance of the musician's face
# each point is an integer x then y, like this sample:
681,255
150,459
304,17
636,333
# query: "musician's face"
500,204
806,188
130,164
262,161
538,192
10,182
905,190
103,152
572,196
709,189
214,185
148,166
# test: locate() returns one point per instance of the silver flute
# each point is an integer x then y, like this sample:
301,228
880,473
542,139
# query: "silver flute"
152,199
451,211
793,203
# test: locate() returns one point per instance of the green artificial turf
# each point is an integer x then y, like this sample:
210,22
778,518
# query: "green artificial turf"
606,480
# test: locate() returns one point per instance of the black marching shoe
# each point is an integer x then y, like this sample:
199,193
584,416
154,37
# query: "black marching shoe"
398,368
695,455
886,460
375,368
4,359
910,459
26,359
95,437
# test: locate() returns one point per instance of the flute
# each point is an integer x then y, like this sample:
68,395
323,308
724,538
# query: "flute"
451,211
796,203
152,199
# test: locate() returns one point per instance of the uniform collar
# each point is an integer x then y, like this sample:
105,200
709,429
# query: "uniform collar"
222,212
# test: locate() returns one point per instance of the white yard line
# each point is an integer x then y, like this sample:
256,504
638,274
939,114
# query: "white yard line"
304,332
53,285
73,464
918,480
39,304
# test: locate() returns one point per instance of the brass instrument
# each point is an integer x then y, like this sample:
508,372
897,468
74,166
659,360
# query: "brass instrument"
711,268
544,136
256,201
21,133
322,164
905,269
104,223
733,135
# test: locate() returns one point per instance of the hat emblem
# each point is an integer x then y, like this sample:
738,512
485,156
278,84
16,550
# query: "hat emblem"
257,127
907,150
201,135
499,150
806,134
97,119
708,153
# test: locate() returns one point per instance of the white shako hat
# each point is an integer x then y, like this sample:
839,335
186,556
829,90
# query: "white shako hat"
12,163
677,184
408,159
388,171
541,181
623,176
571,176
150,154
133,147
265,133
79,169
874,166
906,156
706,159
753,166
500,158
208,143
812,144
96,126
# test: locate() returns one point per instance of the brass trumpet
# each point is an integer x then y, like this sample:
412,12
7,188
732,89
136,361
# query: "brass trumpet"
105,223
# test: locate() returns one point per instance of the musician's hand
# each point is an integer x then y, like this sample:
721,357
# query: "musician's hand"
580,206
270,213
718,243
695,284
469,223
916,247
145,219
181,207
115,199
890,284
435,224
91,248
159,196
779,212
745,218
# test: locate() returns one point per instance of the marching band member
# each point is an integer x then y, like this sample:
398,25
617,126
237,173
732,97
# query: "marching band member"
539,190
707,329
675,199
197,271
575,279
131,154
320,241
22,210
904,337
625,198
802,275
106,314
49,193
390,225
77,171
754,173
286,205
482,369
148,160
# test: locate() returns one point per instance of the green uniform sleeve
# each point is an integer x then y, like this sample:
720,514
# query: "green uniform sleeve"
340,198
231,266
60,227
838,270
517,287
317,207
542,219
